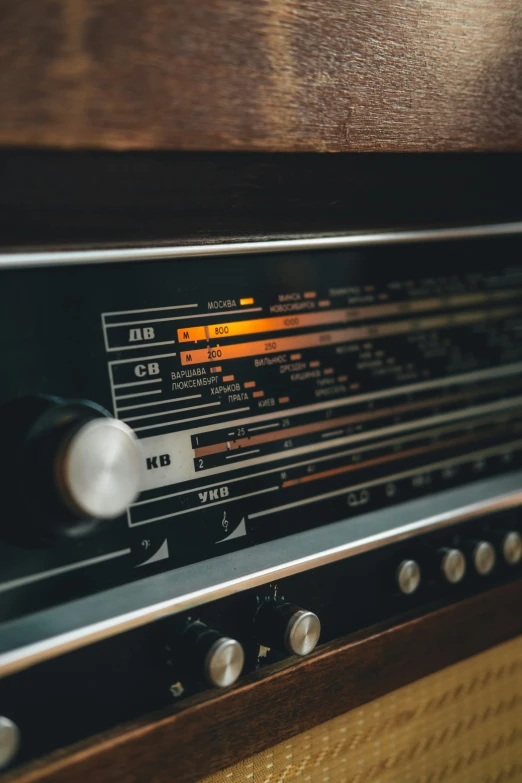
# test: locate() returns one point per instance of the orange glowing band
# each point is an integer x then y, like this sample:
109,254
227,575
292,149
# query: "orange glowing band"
345,315
336,336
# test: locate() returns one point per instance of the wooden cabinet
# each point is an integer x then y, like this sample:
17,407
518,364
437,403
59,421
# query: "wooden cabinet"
277,75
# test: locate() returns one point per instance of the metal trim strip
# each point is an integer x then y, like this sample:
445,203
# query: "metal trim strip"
18,259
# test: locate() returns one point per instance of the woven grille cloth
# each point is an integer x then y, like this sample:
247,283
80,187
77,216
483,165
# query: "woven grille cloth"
460,725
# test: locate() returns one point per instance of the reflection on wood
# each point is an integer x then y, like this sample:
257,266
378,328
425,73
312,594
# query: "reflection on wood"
318,75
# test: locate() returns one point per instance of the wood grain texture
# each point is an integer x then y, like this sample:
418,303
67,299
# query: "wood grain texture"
278,75
211,732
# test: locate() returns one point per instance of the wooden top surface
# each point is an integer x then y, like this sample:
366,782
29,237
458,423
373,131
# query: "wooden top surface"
281,75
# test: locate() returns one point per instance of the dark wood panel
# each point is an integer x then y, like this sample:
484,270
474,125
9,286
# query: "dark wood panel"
214,731
52,197
322,75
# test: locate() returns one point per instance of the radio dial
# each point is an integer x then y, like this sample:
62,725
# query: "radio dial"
81,465
512,547
98,469
408,576
452,565
285,626
207,654
483,557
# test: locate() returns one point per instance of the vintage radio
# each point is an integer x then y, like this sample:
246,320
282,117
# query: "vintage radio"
216,457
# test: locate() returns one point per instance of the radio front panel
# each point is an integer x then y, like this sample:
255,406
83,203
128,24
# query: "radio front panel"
273,395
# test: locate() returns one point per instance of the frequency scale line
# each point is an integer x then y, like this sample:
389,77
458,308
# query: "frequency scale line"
395,477
422,434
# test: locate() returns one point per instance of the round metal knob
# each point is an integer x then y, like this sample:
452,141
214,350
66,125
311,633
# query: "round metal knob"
98,469
204,653
82,465
408,576
453,565
511,546
224,662
483,557
302,632
285,626
9,741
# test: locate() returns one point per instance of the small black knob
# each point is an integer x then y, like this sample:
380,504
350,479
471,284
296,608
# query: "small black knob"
285,626
207,654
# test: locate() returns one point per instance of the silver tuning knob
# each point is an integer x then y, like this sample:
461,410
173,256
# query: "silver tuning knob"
9,741
83,466
408,576
98,469
285,626
452,565
483,557
207,654
511,547
224,662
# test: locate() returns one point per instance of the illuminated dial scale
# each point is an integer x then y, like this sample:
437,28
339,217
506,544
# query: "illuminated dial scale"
250,406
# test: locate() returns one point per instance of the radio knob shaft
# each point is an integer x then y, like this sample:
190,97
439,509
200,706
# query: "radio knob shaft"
408,576
285,626
452,564
208,654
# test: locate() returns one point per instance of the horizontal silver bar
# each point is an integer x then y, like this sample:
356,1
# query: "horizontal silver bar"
27,580
356,239
36,638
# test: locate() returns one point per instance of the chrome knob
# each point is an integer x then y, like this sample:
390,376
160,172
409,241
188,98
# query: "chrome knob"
9,741
83,466
483,557
285,626
224,662
98,469
452,565
511,547
408,576
207,654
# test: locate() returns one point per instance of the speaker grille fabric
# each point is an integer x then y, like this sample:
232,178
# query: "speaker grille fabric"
460,725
